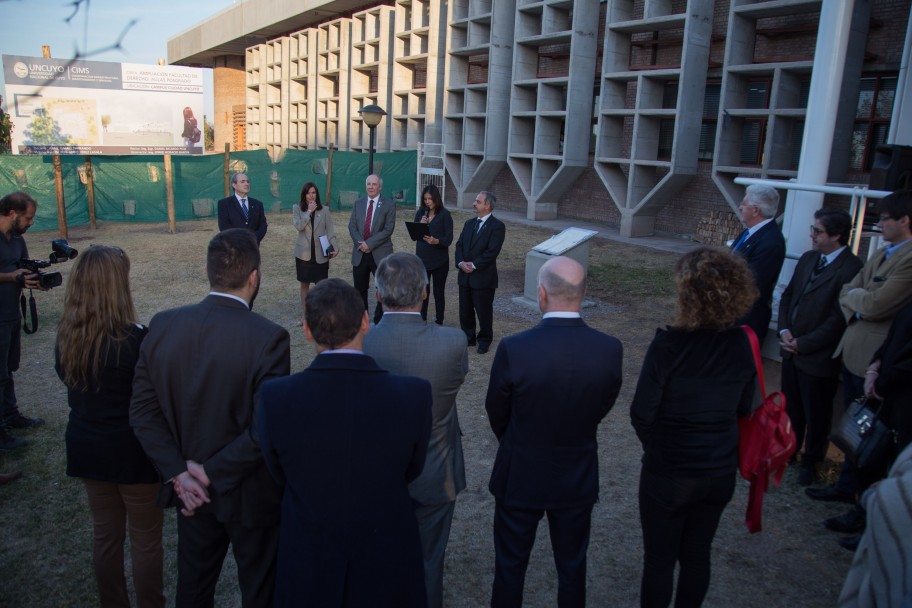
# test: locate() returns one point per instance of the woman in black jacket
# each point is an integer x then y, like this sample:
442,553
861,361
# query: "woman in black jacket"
697,379
433,249
97,348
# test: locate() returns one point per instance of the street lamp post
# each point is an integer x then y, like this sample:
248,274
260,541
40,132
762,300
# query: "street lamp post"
371,115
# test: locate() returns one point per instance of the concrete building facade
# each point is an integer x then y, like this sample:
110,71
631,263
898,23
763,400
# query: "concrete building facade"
635,113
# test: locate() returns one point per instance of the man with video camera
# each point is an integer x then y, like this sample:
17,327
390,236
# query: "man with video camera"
17,212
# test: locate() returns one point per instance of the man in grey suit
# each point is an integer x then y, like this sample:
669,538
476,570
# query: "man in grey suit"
373,219
199,370
403,343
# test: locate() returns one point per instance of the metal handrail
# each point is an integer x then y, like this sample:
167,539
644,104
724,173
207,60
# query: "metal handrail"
857,206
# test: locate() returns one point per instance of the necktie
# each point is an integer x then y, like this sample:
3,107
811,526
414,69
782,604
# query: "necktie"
478,228
818,270
244,209
367,220
740,240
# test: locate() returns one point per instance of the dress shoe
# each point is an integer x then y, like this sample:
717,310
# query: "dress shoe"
830,494
806,476
849,522
483,348
472,342
5,478
8,442
850,542
22,422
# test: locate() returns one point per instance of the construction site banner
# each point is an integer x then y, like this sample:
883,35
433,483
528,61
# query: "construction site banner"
60,106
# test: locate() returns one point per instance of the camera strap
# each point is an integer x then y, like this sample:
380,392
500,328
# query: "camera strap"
33,309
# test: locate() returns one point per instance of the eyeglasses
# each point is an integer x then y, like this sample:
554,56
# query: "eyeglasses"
817,231
884,218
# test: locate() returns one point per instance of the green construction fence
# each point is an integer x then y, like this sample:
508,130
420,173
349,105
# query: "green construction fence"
132,188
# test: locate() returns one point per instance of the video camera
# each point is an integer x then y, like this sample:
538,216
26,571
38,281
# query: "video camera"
61,252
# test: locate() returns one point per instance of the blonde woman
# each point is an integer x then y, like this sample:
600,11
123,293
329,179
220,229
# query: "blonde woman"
312,221
97,347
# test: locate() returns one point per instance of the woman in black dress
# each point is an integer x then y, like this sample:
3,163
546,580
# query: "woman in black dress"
312,221
697,379
97,348
433,250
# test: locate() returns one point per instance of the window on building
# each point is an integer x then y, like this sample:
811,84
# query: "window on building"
419,77
373,80
553,60
872,118
710,120
753,131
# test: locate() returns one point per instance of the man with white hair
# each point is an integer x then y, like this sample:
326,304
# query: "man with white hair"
762,245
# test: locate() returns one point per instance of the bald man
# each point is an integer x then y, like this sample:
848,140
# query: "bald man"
550,387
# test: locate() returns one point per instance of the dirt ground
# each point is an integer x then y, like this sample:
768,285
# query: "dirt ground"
45,540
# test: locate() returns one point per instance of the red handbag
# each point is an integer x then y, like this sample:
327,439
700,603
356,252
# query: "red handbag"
767,442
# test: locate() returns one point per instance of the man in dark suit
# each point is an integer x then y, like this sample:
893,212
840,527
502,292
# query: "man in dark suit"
762,245
241,211
810,326
345,438
404,344
373,219
550,387
199,371
476,258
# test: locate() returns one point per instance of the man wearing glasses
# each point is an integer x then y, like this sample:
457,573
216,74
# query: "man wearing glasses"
810,326
869,304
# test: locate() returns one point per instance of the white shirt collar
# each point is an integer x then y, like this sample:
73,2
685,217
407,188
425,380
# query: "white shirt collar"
561,314
232,296
752,231
831,257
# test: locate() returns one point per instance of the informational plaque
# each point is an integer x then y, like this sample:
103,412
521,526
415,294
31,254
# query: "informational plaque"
560,244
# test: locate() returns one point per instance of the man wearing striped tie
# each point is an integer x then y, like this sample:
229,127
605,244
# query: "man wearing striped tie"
810,326
242,211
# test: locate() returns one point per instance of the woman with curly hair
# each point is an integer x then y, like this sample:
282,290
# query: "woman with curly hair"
97,347
697,378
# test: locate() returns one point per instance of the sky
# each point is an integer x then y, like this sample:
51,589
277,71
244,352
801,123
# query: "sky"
26,25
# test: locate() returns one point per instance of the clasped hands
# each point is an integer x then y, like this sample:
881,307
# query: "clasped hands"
363,248
190,486
788,342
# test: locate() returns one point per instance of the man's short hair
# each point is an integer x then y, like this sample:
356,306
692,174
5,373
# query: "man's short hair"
233,254
235,177
489,198
401,280
896,205
17,201
558,288
333,311
379,179
764,198
836,222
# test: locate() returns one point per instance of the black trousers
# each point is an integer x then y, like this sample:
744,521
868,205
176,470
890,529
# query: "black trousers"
436,279
809,404
479,302
202,542
514,536
361,279
679,517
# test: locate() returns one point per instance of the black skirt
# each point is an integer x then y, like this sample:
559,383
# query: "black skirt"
311,271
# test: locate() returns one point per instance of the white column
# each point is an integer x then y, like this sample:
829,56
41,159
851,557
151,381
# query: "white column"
819,126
